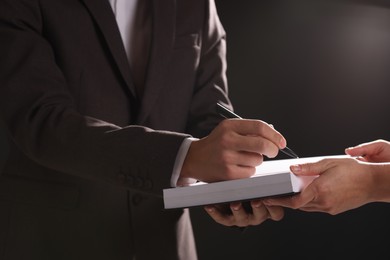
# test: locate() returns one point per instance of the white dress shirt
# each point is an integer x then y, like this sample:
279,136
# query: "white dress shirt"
125,14
124,11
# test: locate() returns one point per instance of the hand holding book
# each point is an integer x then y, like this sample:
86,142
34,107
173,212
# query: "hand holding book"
273,178
232,151
235,182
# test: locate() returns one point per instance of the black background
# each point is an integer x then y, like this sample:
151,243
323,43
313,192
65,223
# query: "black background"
319,71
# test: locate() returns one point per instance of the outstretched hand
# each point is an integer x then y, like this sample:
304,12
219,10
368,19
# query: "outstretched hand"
343,184
376,151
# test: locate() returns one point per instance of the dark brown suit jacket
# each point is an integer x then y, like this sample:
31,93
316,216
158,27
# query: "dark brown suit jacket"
88,157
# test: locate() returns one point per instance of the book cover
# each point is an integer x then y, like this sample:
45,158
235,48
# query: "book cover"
272,178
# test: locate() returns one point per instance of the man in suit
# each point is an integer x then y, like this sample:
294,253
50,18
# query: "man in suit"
97,129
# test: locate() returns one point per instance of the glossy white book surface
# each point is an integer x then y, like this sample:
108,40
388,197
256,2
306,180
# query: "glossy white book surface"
272,178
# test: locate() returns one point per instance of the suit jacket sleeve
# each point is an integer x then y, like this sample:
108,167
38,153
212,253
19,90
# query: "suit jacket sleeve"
44,122
211,82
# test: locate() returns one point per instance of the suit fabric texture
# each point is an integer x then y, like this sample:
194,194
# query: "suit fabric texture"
88,156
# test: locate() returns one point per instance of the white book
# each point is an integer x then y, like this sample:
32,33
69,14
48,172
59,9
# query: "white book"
272,178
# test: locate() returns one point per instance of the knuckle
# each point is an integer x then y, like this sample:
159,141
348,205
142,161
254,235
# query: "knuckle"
228,140
328,163
225,140
230,173
308,167
260,145
224,125
245,172
273,152
323,190
251,171
225,158
295,202
228,125
259,126
265,147
259,159
295,205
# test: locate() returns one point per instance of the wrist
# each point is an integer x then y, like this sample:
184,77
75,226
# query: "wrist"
380,179
188,169
177,179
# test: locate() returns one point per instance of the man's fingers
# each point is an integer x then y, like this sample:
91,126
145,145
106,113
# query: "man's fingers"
252,144
255,128
275,213
241,217
247,158
260,213
219,217
293,202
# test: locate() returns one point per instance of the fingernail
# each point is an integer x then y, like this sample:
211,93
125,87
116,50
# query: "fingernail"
209,209
235,207
282,143
256,204
296,168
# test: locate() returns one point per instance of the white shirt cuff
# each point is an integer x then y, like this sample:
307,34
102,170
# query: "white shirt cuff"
176,180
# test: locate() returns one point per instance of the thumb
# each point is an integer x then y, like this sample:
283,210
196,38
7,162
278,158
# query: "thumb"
309,169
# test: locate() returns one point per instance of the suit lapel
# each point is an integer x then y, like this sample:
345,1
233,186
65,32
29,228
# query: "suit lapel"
104,17
164,18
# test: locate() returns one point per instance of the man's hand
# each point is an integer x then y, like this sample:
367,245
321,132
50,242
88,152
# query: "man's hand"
232,150
236,214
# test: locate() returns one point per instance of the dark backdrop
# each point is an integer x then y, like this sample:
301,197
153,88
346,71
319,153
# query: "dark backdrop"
3,147
319,71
